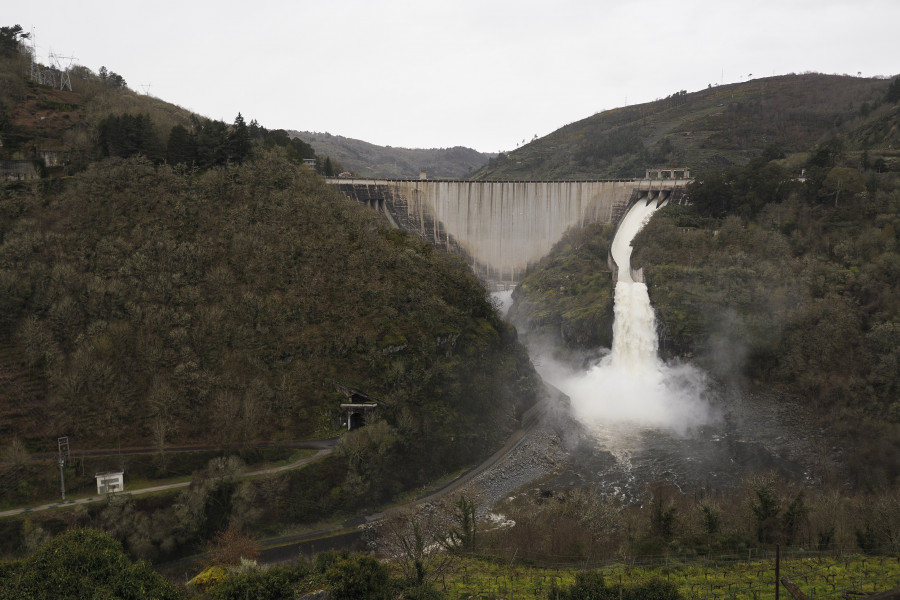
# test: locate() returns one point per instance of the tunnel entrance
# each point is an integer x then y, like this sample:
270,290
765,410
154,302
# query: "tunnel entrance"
358,411
355,421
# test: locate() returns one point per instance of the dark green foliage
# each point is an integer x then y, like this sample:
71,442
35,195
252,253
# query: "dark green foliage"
111,78
867,539
765,509
82,563
158,304
893,93
127,135
181,147
590,585
239,140
354,576
711,520
462,537
9,39
211,138
276,583
793,518
568,296
296,148
213,143
739,190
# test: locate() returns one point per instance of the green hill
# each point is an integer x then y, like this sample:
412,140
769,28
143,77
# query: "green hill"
176,280
713,128
763,277
368,160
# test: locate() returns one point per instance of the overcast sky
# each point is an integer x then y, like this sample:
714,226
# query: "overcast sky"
485,74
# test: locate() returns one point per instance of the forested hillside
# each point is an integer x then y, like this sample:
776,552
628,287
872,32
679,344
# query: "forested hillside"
368,160
180,280
766,278
713,128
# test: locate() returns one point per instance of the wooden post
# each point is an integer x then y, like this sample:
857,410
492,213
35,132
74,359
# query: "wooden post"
793,589
777,570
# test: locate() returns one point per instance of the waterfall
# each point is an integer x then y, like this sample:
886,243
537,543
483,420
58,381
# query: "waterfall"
634,328
631,385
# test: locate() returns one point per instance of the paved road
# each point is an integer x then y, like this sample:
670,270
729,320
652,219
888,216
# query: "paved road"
275,550
302,444
326,447
530,420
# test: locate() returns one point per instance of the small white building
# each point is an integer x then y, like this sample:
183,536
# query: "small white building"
109,482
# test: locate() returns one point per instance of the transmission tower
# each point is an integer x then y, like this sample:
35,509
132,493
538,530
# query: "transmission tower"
36,74
63,444
65,82
146,87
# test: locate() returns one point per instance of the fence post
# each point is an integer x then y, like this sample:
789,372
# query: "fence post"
777,570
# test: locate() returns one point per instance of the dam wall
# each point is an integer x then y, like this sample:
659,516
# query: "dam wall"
501,227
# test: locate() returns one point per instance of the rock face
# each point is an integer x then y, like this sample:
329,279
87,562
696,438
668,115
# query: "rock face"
500,226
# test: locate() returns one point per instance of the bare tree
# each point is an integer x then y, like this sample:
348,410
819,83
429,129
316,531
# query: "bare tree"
416,540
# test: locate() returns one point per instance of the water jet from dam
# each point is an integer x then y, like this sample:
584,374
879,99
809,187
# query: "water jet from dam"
631,386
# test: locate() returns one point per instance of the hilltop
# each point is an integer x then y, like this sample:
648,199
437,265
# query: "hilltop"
368,160
711,129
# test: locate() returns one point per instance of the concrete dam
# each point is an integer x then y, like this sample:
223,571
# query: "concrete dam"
503,227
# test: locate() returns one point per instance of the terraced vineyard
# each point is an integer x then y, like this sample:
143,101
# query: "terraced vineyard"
752,577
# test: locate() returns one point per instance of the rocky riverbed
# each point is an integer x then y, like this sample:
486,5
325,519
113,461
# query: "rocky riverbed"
753,432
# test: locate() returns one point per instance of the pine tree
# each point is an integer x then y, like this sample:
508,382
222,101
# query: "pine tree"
239,140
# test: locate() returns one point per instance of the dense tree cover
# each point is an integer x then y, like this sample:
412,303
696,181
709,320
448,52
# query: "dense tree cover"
153,304
717,127
567,300
208,144
82,563
800,293
111,78
9,39
893,93
86,563
789,282
128,135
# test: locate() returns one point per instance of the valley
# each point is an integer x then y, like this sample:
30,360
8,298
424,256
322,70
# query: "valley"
679,378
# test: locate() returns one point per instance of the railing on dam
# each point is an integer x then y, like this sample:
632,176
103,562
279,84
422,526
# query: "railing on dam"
501,226
380,181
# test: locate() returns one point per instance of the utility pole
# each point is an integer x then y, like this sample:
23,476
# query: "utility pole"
63,444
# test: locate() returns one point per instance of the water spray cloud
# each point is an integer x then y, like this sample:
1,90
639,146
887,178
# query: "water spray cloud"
630,385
